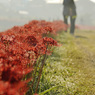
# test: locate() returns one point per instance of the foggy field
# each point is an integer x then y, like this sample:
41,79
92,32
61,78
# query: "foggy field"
38,56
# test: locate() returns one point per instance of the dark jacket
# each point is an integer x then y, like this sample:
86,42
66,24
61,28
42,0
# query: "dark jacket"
69,8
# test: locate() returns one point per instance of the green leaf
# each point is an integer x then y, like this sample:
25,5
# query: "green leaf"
48,90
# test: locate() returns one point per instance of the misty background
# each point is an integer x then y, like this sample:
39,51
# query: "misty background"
20,12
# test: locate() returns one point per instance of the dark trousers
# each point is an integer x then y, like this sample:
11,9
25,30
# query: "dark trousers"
72,22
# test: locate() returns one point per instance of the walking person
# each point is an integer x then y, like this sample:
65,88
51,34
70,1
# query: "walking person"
69,11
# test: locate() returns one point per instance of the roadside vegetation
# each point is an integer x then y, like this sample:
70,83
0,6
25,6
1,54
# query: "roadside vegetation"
70,70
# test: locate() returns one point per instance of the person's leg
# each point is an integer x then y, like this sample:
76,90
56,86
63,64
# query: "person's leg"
66,20
72,21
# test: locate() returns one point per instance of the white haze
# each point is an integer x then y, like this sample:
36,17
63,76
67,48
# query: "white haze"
19,12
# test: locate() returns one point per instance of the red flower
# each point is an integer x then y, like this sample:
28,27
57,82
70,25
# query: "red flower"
36,94
20,47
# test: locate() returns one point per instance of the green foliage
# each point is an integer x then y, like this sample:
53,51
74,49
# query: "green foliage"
48,90
71,66
70,70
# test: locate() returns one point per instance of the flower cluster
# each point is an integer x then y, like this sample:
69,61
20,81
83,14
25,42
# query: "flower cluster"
20,47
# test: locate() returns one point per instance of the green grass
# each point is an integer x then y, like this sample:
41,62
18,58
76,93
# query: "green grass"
72,65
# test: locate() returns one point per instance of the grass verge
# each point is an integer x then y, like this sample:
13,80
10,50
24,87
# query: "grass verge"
70,67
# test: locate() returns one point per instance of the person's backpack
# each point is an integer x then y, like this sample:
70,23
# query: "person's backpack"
67,2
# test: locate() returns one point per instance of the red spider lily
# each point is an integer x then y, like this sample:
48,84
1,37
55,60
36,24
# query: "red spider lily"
49,41
20,47
36,94
31,40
